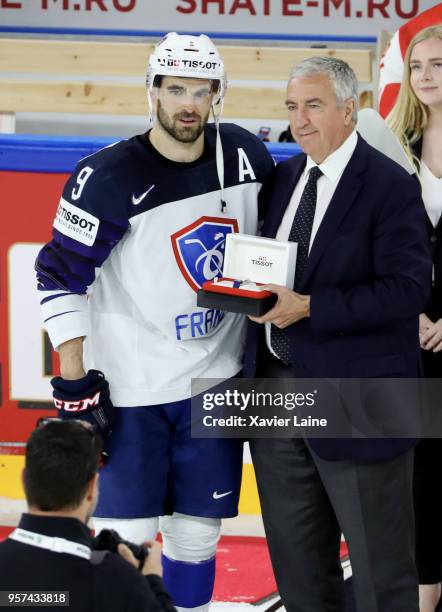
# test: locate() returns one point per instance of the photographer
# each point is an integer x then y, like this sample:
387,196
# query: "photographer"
53,550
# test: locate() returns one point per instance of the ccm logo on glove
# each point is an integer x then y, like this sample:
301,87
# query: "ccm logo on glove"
87,399
78,406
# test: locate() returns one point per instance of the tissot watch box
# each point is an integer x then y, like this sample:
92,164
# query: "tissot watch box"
249,263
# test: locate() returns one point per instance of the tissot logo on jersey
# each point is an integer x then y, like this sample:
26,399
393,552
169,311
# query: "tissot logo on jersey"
74,218
199,249
76,223
78,406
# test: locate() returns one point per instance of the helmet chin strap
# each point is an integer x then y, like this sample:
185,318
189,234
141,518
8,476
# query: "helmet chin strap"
219,155
151,117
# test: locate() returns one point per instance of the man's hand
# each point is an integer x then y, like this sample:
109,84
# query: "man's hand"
152,565
424,323
431,335
290,307
87,399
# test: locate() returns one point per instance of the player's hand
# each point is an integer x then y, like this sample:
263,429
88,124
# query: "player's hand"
87,399
431,340
290,307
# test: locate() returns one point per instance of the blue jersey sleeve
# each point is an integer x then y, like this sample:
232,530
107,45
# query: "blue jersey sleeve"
91,219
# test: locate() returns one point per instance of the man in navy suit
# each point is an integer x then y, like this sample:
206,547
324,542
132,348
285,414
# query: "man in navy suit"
362,278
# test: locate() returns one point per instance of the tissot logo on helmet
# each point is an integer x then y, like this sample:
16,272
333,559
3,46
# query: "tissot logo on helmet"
186,56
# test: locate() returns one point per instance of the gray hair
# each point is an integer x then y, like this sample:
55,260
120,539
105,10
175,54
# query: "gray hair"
342,77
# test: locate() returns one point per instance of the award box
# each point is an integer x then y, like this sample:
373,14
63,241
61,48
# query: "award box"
249,263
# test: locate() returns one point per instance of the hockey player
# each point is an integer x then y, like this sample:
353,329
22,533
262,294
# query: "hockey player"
139,227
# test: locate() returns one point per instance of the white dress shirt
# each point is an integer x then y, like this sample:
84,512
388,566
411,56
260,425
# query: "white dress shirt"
332,168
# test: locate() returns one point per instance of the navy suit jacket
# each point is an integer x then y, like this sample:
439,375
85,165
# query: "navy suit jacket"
369,277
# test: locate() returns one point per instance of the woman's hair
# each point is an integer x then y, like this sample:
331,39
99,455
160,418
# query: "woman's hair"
409,116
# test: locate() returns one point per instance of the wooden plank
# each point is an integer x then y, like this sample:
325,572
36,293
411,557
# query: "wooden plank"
366,99
102,98
73,57
59,97
255,103
275,63
130,59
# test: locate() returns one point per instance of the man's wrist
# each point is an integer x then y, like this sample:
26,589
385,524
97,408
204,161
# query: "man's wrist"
306,306
72,372
71,359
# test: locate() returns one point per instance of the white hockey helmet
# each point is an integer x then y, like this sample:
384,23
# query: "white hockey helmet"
182,55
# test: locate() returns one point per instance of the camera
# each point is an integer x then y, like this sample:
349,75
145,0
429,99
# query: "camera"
108,539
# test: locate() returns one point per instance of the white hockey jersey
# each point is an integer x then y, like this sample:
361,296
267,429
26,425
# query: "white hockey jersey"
135,235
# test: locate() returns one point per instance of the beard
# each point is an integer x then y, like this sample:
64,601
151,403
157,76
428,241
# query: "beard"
182,133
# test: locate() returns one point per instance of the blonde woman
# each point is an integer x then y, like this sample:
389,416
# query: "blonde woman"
417,120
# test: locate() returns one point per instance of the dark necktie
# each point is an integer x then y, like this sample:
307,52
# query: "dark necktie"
300,232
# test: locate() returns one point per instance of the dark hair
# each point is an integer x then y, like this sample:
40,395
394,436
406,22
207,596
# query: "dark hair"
61,459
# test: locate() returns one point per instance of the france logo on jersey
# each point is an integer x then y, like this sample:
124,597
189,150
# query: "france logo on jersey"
199,248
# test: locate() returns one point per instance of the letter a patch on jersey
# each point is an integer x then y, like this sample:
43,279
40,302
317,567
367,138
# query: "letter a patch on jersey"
199,248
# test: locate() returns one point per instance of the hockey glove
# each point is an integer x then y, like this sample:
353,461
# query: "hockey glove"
86,399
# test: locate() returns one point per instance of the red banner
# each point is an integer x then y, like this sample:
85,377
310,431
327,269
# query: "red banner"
27,361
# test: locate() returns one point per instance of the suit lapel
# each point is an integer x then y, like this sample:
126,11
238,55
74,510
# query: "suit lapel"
341,202
285,184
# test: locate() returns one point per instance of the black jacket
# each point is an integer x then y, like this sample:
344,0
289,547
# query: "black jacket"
112,586
369,275
434,306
